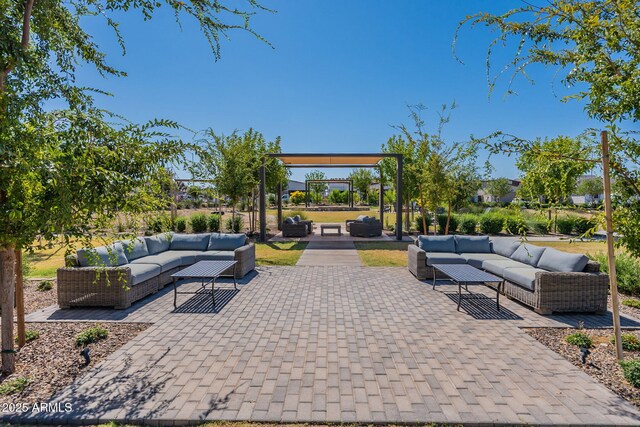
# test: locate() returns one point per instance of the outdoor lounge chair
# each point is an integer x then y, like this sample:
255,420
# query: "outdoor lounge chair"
364,226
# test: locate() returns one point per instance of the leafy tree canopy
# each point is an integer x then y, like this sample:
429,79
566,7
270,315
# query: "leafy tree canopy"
362,179
498,188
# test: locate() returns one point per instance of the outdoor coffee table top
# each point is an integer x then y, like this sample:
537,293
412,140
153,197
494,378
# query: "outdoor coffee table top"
205,269
466,273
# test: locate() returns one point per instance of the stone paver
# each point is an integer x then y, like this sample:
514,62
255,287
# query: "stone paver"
339,344
319,253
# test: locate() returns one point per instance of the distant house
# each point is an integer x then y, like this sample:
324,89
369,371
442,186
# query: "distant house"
483,197
586,199
294,186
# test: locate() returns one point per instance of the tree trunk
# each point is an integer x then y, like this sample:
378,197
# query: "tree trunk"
407,224
446,229
7,295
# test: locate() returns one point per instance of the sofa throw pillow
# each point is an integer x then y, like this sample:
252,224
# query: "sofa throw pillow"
473,244
296,218
528,254
102,256
437,243
158,243
504,247
289,220
370,219
135,248
555,260
361,218
226,241
190,242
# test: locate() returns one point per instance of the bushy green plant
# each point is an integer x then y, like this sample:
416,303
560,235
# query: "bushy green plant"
198,223
540,226
419,225
236,224
468,224
30,335
631,371
45,285
584,225
629,342
214,223
301,214
91,335
491,223
565,225
579,339
158,224
627,268
181,224
13,386
631,303
297,197
442,224
516,225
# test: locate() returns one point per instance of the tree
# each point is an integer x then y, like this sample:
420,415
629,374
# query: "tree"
337,197
362,179
297,197
498,188
317,189
591,186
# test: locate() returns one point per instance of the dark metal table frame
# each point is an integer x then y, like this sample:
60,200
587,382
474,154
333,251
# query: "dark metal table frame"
331,227
207,272
469,275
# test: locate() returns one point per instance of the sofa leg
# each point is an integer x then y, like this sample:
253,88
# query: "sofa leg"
543,311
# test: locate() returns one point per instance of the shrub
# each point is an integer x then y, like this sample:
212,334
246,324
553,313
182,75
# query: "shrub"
91,335
296,197
120,226
198,223
516,225
584,225
629,342
540,226
30,335
442,224
468,225
235,224
565,225
13,386
272,199
631,371
45,285
491,224
214,222
631,303
158,224
419,226
579,339
627,268
181,224
302,215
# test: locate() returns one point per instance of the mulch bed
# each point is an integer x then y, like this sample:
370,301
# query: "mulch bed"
625,309
52,361
601,363
35,300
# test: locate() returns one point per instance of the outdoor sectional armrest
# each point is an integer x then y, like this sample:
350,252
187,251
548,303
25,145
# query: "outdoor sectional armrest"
580,292
246,258
417,262
71,261
105,286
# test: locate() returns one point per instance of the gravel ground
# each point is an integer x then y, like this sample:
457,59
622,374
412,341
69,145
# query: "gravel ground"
601,363
624,309
52,361
35,300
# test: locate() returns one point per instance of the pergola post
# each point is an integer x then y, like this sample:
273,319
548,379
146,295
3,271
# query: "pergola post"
263,201
279,206
399,198
381,197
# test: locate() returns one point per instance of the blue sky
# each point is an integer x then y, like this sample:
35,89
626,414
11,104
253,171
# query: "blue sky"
339,75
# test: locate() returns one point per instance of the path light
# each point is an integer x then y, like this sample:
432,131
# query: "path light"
584,353
87,357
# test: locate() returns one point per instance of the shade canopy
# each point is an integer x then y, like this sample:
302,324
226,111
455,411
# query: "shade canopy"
355,159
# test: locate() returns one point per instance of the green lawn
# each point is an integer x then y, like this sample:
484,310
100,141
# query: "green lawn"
575,246
279,253
383,254
328,216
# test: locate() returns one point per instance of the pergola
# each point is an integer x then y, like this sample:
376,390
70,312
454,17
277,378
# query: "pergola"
309,182
335,160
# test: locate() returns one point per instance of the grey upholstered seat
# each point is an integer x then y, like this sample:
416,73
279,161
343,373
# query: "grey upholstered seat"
476,259
525,276
444,258
498,266
142,272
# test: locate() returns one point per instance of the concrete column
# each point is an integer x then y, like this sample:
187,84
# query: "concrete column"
399,198
263,201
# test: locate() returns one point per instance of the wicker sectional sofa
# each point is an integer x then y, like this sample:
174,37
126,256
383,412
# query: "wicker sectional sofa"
543,278
364,226
121,273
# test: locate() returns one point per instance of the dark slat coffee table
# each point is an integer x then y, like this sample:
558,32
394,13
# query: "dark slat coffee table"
464,274
207,272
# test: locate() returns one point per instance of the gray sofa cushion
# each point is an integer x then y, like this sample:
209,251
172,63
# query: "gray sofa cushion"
158,243
187,257
216,256
504,247
370,220
289,220
476,259
444,258
473,244
142,272
499,266
361,218
437,243
135,248
165,260
102,256
226,242
296,218
525,277
189,242
528,254
555,260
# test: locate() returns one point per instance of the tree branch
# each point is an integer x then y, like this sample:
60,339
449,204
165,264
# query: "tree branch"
26,29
